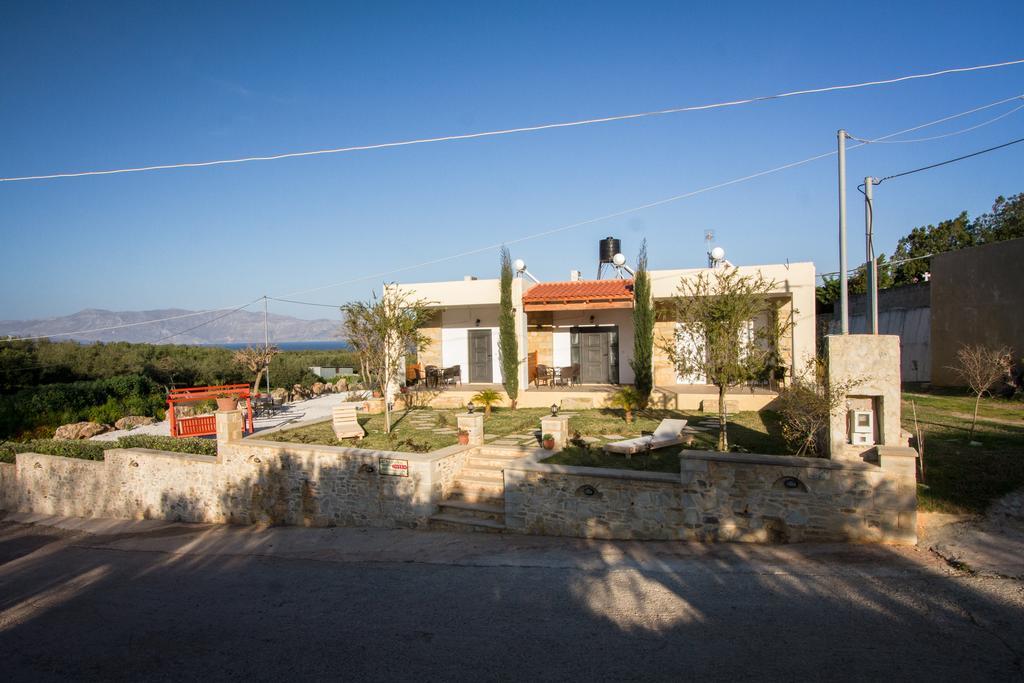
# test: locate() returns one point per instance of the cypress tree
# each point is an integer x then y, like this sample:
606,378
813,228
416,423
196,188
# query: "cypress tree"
508,345
643,330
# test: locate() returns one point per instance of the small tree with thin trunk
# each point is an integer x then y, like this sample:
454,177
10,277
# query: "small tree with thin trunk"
643,331
806,406
982,368
508,345
256,359
718,337
383,331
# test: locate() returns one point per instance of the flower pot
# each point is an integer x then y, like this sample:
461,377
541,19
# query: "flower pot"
463,439
549,444
376,393
229,403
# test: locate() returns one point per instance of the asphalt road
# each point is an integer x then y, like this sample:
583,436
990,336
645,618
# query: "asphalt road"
144,601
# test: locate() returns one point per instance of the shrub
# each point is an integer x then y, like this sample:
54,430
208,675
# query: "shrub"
93,450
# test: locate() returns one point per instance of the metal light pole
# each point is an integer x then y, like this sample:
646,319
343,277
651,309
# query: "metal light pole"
870,268
843,284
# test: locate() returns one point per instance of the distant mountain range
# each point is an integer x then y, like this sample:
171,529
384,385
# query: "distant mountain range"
240,327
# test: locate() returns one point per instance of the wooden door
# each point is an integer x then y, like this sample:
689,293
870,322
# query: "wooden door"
480,358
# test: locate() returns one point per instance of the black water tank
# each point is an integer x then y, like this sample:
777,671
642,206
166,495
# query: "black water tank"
608,248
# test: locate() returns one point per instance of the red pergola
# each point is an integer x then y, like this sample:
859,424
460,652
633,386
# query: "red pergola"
204,425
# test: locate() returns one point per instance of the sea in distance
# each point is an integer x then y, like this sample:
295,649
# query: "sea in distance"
337,345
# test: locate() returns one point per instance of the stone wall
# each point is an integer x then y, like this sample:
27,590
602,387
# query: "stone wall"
249,481
719,497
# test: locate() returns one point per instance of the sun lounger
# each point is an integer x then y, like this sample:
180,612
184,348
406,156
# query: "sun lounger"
668,433
345,423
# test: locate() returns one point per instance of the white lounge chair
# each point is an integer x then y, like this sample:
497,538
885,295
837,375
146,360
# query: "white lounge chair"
668,433
345,423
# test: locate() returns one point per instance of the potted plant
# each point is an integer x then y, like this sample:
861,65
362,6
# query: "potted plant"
548,441
463,437
226,402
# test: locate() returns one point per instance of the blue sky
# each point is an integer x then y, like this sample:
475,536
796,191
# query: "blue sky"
101,85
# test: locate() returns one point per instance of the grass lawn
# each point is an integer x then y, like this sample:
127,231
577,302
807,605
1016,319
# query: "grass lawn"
959,477
414,432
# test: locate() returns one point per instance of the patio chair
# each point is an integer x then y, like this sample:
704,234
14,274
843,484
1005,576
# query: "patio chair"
569,375
668,433
433,377
452,375
544,375
345,423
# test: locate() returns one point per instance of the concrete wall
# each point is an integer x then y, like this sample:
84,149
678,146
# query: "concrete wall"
249,481
718,497
977,296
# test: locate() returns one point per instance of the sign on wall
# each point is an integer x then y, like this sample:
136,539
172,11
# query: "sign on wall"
394,468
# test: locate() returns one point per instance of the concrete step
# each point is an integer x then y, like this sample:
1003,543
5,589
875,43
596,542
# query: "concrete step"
489,462
473,473
469,481
510,452
458,522
464,508
474,496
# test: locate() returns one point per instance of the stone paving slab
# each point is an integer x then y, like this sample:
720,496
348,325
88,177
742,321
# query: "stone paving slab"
613,436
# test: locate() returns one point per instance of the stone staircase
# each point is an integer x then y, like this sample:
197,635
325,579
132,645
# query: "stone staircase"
477,498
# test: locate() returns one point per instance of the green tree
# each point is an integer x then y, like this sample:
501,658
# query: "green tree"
383,331
1006,222
508,345
926,240
718,337
643,330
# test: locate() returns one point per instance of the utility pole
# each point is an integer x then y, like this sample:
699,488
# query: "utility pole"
843,300
266,340
870,269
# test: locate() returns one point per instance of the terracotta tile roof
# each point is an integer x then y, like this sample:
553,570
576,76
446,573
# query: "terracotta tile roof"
580,290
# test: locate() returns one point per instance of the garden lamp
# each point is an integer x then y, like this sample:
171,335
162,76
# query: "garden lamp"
470,407
554,410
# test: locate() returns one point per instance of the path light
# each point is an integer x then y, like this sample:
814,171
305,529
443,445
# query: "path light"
554,410
470,407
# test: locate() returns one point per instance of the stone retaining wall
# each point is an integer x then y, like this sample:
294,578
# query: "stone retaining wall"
249,481
720,497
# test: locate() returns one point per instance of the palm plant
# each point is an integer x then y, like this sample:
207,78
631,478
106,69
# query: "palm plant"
626,399
487,398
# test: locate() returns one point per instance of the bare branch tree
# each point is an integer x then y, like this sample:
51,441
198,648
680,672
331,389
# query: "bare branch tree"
806,405
255,359
982,368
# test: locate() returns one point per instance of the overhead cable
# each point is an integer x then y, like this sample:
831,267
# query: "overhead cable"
521,129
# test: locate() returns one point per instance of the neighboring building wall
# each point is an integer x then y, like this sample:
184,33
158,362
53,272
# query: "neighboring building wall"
977,297
432,354
904,312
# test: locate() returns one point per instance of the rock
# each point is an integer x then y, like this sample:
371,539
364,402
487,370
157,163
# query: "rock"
184,411
131,421
80,430
317,388
341,385
279,394
328,388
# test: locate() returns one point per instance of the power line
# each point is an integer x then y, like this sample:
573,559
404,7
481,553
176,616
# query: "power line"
304,303
212,320
634,209
883,265
954,133
522,129
536,235
948,161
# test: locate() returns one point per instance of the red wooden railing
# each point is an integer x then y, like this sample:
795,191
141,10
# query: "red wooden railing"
204,425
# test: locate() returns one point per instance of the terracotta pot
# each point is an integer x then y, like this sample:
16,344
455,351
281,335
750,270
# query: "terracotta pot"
229,403
376,393
464,439
549,444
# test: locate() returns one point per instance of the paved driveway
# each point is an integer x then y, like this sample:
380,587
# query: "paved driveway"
151,600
